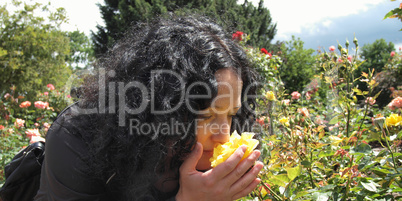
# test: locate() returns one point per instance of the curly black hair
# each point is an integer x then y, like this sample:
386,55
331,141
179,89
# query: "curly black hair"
149,71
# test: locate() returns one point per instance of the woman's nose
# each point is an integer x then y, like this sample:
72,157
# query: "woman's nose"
221,132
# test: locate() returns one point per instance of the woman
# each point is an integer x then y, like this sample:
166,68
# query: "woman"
147,124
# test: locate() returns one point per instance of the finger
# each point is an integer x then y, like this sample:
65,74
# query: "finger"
248,189
247,179
191,161
243,167
230,164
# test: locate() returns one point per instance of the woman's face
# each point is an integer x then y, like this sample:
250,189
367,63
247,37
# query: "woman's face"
213,124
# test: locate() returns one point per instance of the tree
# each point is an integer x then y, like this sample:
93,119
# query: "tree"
32,49
296,70
119,15
81,50
375,56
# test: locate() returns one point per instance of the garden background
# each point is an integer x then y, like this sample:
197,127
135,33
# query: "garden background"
330,119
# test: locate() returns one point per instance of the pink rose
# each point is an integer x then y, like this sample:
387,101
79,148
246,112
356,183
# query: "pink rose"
332,48
46,125
261,120
295,95
319,121
32,132
350,58
303,111
19,123
7,95
1,127
370,100
45,93
308,96
50,86
41,104
36,139
396,103
285,102
25,104
392,54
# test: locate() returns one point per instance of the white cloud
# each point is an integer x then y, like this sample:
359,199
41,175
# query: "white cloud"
293,16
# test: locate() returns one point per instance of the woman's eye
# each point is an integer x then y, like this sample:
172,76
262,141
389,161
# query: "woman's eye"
205,117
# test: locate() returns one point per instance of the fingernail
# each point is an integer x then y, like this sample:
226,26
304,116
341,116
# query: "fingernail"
256,154
244,148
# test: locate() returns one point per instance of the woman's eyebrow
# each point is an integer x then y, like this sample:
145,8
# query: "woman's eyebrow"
220,107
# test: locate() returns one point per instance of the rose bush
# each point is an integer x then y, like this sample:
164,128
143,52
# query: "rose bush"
330,141
22,123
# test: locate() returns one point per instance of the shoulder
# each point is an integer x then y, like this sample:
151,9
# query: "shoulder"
66,172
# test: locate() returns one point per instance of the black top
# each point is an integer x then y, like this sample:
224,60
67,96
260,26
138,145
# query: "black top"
65,171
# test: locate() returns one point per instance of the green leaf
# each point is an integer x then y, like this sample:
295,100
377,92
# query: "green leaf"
358,91
300,194
306,163
280,180
362,148
294,172
320,196
381,172
389,14
370,186
325,153
334,120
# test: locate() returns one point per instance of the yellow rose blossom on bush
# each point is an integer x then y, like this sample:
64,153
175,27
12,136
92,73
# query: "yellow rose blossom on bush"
393,120
284,121
223,151
270,96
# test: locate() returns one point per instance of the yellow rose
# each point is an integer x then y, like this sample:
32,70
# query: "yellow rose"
223,151
270,96
284,121
393,120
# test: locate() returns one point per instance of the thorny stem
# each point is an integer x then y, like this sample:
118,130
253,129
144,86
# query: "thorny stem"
349,179
270,190
392,154
348,106
309,171
365,114
271,122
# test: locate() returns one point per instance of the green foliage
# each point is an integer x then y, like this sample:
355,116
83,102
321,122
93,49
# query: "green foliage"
376,55
297,67
332,150
81,50
32,49
395,13
119,15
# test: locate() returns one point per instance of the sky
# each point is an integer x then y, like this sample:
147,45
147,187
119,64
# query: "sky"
318,23
322,23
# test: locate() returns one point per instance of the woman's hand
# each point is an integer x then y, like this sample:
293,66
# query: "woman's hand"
229,180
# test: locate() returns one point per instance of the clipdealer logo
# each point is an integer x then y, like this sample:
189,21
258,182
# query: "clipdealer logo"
148,96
